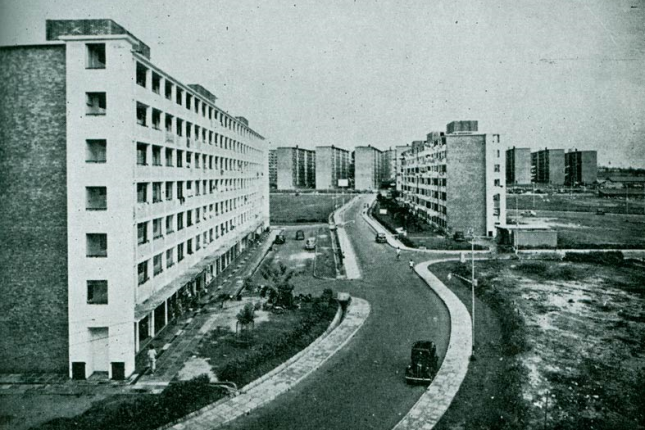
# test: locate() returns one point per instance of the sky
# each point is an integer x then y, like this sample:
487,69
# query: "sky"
541,73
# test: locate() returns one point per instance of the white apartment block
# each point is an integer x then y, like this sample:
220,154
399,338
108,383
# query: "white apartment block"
456,181
164,190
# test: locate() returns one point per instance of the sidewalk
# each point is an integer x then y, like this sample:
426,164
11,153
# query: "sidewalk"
352,269
283,378
434,402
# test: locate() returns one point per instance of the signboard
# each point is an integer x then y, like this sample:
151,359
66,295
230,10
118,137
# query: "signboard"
343,182
383,211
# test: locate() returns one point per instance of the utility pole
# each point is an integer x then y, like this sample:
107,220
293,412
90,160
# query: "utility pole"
472,284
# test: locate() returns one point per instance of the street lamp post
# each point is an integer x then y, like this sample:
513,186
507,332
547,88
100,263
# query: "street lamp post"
473,281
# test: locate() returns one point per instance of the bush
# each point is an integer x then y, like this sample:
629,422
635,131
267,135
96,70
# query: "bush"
613,258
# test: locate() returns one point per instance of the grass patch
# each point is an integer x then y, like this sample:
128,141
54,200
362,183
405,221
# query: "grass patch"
325,264
303,208
268,345
142,412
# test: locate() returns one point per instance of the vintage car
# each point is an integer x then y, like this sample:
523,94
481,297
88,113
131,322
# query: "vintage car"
381,238
280,239
310,243
459,236
424,363
300,235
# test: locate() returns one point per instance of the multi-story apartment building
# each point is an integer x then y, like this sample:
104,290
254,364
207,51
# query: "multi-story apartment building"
368,168
399,150
273,169
518,166
548,166
126,191
332,164
455,181
296,168
389,165
580,167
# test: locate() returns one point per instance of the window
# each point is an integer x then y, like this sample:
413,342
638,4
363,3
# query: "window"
180,190
197,161
189,159
168,90
157,266
498,153
95,151
497,167
180,126
180,94
180,252
95,56
169,153
142,75
157,228
180,158
498,183
156,156
197,243
189,218
156,83
96,103
142,154
197,217
156,192
156,119
96,198
189,246
170,224
189,98
142,114
180,221
142,192
168,190
142,233
197,188
96,245
142,271
97,293
170,258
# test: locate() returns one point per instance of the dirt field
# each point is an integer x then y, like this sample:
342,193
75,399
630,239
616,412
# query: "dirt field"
305,208
574,202
585,324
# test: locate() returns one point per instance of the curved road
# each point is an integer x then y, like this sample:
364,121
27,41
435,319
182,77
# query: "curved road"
362,386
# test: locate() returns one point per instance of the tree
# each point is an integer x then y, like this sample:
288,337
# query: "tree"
280,276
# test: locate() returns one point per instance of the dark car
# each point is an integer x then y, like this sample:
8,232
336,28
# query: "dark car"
459,236
300,235
280,239
381,238
424,363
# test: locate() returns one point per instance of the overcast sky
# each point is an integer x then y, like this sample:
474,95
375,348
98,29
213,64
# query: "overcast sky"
542,73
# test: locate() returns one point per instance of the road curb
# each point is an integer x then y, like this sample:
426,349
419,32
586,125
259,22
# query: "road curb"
434,402
285,376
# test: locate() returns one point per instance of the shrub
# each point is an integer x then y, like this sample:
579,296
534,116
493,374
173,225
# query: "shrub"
613,258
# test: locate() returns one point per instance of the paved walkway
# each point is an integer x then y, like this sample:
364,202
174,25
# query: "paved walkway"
429,409
352,269
283,378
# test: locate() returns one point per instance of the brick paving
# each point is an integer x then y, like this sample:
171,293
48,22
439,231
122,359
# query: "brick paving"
282,379
434,402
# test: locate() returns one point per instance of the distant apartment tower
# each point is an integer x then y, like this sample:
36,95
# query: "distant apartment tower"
140,190
332,164
518,166
455,181
548,166
368,168
273,169
296,168
399,150
580,167
389,165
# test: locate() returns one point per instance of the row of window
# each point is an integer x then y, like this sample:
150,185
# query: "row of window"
161,190
170,158
177,222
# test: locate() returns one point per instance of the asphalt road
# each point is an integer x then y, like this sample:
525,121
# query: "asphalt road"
362,386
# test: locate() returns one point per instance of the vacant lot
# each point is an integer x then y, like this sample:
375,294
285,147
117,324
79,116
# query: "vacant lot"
573,202
585,328
588,230
304,208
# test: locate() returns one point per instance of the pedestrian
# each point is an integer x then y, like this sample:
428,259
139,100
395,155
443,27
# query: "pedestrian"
152,359
411,265
398,253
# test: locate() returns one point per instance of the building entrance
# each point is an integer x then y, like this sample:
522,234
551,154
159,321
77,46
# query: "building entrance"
100,349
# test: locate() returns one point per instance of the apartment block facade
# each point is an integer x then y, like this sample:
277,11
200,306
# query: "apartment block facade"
518,166
456,181
296,168
548,166
273,169
332,164
368,168
580,167
155,191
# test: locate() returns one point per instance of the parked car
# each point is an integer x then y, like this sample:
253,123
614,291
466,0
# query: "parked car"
381,238
300,235
459,236
529,213
424,363
310,243
280,239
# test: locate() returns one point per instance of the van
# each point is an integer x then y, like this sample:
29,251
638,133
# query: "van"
310,243
300,235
